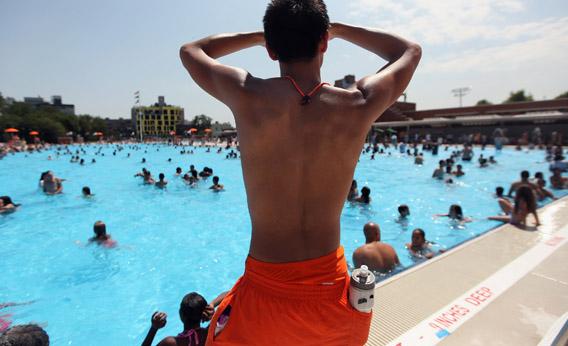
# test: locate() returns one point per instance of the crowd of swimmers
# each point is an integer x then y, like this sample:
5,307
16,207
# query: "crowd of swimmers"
516,205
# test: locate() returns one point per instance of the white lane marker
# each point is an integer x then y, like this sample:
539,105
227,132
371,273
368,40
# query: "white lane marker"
448,319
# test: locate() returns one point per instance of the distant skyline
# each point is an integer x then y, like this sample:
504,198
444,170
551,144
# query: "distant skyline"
97,54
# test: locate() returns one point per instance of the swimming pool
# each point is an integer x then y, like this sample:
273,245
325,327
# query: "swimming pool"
181,239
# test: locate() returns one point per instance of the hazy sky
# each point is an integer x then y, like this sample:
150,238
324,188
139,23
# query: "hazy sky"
96,54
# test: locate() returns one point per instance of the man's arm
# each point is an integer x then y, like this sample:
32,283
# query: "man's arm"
223,82
385,87
159,320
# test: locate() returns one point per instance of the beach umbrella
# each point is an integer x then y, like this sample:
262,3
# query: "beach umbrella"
11,130
208,130
98,133
193,129
34,133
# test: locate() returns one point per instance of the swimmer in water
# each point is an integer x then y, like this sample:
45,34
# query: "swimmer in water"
439,172
419,247
458,172
51,184
178,171
162,182
87,192
7,206
192,311
525,204
353,192
101,237
216,187
455,213
376,255
365,197
403,211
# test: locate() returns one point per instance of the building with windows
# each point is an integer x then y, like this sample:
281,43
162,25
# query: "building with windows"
159,119
56,103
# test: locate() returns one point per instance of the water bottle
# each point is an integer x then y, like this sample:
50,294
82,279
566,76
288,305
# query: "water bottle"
362,289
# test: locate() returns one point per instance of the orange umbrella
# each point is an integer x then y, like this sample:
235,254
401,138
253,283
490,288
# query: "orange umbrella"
208,130
11,130
98,133
34,133
193,129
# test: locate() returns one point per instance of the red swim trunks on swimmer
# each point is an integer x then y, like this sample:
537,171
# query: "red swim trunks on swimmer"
295,303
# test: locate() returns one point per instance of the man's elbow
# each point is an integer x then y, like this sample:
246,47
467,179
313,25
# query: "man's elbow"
415,51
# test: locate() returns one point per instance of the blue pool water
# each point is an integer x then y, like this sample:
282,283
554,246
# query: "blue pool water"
181,239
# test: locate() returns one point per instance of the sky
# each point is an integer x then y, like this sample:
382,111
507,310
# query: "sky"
96,54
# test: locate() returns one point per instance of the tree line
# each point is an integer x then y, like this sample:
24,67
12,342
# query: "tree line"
519,96
49,122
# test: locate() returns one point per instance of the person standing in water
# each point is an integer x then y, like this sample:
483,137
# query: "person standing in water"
287,124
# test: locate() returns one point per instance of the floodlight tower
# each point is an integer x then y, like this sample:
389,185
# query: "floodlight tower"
461,92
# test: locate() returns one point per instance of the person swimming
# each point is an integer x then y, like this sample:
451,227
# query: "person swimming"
162,182
365,197
51,184
193,310
101,237
87,192
419,247
7,206
455,213
353,192
216,187
403,211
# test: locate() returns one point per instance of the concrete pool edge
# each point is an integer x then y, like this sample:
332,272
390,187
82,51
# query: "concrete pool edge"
405,300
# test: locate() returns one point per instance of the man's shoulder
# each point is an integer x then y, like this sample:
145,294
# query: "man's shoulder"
168,341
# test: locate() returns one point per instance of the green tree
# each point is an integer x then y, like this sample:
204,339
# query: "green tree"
201,122
483,102
518,96
562,96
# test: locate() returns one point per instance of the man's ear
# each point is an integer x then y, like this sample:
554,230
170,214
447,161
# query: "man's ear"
324,42
272,54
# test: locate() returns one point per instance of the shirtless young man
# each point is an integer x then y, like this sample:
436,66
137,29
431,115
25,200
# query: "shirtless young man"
317,141
377,256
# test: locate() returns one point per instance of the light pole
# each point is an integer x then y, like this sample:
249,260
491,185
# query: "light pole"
461,92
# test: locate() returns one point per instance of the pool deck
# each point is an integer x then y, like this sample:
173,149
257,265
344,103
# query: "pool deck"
506,287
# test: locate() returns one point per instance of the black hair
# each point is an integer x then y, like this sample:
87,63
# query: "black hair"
403,207
25,335
526,194
87,190
525,174
215,179
294,28
499,191
421,231
99,228
539,175
161,176
458,211
365,193
191,308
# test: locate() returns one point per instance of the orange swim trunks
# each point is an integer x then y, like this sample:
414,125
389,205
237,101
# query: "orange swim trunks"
296,303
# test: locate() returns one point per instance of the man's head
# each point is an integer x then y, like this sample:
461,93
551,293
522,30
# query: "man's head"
372,232
191,308
403,210
215,180
25,335
161,176
499,191
525,175
100,229
295,29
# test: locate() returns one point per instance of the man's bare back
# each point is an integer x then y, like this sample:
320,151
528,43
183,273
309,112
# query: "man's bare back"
376,256
298,160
